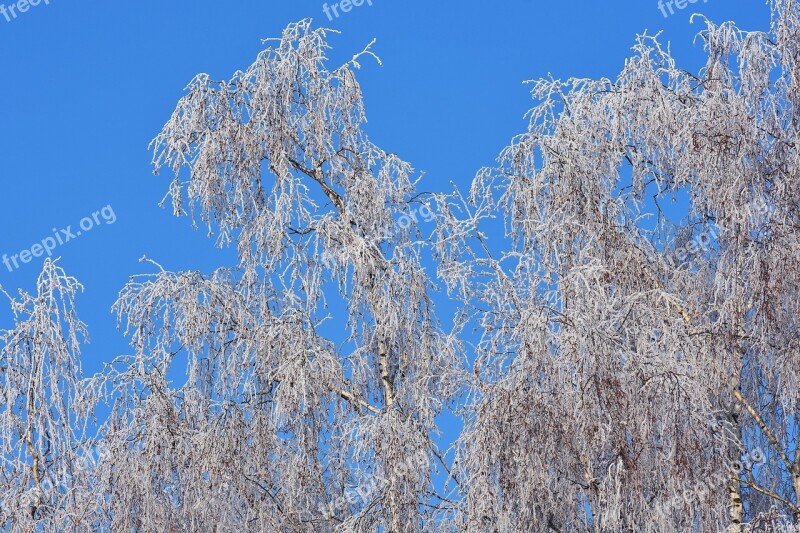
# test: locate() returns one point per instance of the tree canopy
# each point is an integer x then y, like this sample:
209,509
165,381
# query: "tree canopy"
615,368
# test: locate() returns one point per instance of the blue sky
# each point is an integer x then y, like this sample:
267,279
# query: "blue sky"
87,84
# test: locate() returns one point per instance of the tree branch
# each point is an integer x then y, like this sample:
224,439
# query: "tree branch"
764,429
358,402
769,493
318,176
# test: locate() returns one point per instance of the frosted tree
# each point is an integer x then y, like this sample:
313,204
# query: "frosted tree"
315,368
635,366
638,370
45,473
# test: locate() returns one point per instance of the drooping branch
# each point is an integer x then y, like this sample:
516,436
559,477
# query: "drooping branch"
765,429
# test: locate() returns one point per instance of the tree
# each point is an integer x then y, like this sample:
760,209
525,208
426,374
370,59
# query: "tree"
633,370
277,426
629,361
44,477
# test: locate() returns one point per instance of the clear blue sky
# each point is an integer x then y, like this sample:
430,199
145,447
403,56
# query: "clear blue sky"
87,84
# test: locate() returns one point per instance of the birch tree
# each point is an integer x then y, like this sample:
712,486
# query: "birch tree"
635,366
44,480
283,423
637,370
